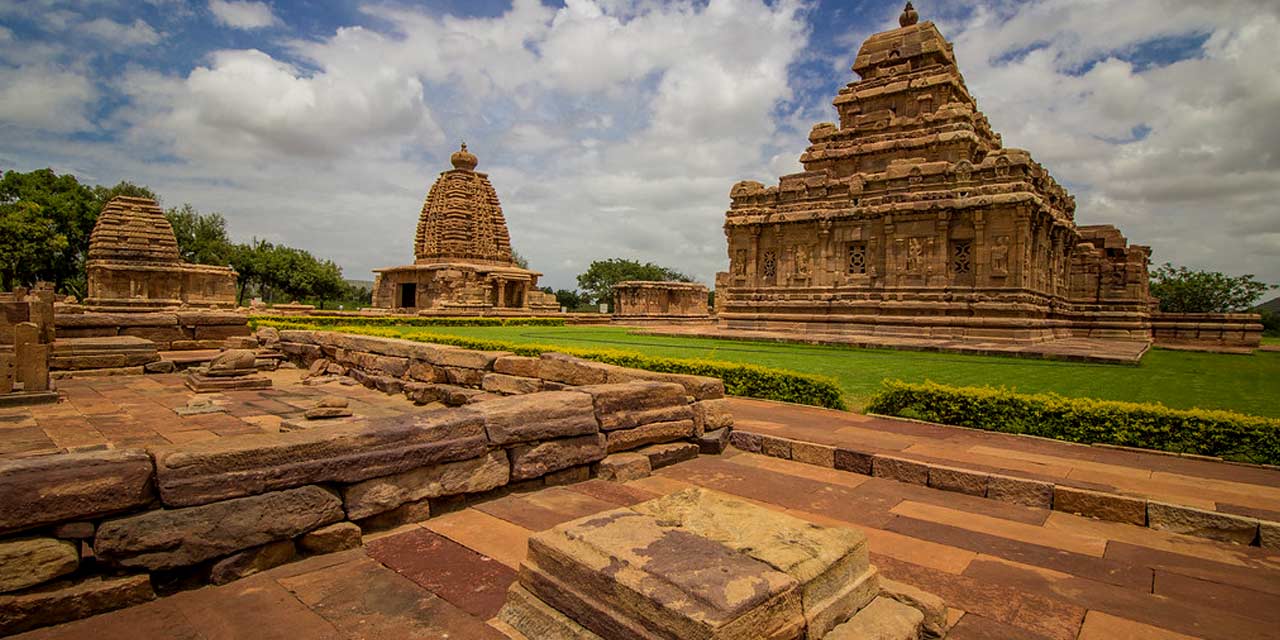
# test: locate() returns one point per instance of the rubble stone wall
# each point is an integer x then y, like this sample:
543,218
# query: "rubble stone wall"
110,528
171,331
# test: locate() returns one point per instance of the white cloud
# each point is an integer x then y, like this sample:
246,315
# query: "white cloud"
137,34
243,14
46,99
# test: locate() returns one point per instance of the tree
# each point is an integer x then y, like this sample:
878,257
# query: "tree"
27,238
570,299
519,259
64,206
598,280
279,273
123,188
202,237
1183,290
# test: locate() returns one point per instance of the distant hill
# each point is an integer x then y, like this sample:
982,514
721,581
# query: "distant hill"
1272,305
368,284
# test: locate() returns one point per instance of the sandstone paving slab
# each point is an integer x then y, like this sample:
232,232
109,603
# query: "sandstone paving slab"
257,607
1256,578
473,582
366,600
620,569
67,600
157,619
618,494
883,619
1101,626
1241,601
168,539
532,618
486,534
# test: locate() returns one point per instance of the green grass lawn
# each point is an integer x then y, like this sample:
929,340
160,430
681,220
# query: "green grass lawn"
1270,339
1248,384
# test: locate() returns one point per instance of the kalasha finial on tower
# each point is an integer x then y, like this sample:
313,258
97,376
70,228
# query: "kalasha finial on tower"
463,159
909,16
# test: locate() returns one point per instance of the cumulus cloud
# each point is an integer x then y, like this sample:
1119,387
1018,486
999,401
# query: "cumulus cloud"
46,99
139,33
242,14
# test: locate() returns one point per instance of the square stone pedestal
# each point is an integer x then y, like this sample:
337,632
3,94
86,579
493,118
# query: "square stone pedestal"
695,565
201,382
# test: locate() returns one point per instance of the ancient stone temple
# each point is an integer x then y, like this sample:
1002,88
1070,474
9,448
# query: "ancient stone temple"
462,252
134,263
911,219
639,300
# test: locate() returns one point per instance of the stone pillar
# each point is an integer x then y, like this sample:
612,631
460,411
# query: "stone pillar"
6,372
32,357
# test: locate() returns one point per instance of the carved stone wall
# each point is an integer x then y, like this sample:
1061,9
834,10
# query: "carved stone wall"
642,299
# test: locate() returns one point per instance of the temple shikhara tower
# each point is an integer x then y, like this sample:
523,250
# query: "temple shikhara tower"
462,252
911,219
134,263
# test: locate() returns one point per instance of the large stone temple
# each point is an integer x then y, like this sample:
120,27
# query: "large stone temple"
463,262
912,219
134,263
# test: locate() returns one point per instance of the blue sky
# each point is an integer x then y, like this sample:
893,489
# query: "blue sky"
616,127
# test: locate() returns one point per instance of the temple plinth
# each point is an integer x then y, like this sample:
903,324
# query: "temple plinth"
134,263
463,261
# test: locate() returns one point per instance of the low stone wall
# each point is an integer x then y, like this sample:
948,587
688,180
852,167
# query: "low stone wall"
1207,331
86,532
171,331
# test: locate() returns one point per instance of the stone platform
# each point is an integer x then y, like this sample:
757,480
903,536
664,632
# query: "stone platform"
1069,349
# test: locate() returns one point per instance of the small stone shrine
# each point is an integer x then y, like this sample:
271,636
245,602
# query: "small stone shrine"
675,301
463,262
231,370
912,220
134,264
26,345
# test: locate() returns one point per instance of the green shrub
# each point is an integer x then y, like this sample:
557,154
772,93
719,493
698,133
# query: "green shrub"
382,321
739,379
1150,426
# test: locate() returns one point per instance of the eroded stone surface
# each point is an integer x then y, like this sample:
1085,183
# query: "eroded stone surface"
1030,493
930,606
533,460
375,496
243,564
627,405
973,483
174,538
63,601
1198,522
622,467
26,562
662,455
624,439
1096,504
535,620
883,619
338,536
542,416
714,442
76,486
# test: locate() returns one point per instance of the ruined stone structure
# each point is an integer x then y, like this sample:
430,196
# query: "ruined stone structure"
912,220
462,252
26,344
659,301
134,263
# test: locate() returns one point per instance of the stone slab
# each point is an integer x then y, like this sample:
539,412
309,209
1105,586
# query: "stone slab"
534,460
883,619
243,564
623,467
175,538
710,415
26,562
338,536
64,601
628,405
714,442
1096,504
510,385
973,483
74,486
535,620
664,455
202,472
624,439
539,416
1023,491
377,495
621,574
900,469
1198,522
201,383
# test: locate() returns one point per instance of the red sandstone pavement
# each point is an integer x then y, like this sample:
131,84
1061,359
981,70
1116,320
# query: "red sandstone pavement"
1005,571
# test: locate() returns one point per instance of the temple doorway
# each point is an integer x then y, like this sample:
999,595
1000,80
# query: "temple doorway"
409,295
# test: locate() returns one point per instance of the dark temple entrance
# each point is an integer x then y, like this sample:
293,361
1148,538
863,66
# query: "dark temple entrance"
409,295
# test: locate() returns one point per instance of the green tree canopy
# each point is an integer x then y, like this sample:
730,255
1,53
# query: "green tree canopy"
281,274
1183,290
27,239
202,237
41,200
598,280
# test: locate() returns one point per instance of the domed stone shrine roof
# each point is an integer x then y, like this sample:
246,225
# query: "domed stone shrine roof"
462,218
133,230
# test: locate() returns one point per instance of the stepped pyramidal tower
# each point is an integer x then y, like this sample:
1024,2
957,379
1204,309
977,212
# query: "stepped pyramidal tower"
462,254
911,219
134,264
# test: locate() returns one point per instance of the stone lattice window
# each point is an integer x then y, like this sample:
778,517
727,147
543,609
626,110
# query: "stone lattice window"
769,264
961,257
858,258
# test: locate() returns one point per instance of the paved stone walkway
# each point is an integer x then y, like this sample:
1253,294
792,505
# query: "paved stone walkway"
1075,349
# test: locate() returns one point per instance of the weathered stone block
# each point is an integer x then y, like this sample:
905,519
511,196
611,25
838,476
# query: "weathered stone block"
624,439
521,366
620,574
623,406
1095,504
662,455
535,620
572,475
375,496
1205,524
700,387
621,467
710,415
714,442
883,619
830,564
930,606
775,447
65,601
559,367
463,376
182,537
407,513
1029,493
26,562
1269,534
820,455
424,371
338,536
467,358
973,483
75,486
534,460
900,469
250,561
510,385
746,441
538,416
197,473
74,530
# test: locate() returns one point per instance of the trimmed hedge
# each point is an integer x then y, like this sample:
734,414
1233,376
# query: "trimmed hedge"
1225,434
382,321
746,380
